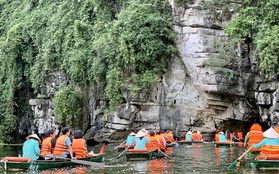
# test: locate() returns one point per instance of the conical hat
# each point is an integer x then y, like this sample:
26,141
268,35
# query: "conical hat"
271,133
132,133
189,132
140,134
33,136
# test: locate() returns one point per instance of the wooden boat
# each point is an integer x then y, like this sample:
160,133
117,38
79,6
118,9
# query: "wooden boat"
173,144
224,144
189,142
20,163
139,155
265,162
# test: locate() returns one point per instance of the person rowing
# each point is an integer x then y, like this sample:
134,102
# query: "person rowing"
141,140
271,138
154,142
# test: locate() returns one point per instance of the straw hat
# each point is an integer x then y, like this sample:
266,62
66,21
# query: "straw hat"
35,136
270,133
198,131
132,133
144,130
189,132
221,132
140,134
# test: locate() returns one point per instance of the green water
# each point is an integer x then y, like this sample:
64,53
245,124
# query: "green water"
196,158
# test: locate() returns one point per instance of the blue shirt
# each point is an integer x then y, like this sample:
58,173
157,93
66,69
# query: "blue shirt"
31,149
189,137
222,137
130,139
140,143
267,141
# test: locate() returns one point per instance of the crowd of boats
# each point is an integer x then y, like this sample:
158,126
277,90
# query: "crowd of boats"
262,149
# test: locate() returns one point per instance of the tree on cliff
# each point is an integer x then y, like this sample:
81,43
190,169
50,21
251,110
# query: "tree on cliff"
91,42
257,24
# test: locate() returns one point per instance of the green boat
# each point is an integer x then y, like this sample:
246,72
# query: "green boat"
223,144
143,155
185,142
18,163
270,165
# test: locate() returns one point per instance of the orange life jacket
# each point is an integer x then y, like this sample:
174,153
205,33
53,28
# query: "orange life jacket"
169,137
199,136
46,146
217,137
154,143
79,147
60,147
270,149
240,135
256,135
162,142
195,136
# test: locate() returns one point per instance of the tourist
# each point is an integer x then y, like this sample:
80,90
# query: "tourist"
188,136
222,137
217,136
199,135
47,148
79,145
254,136
141,140
131,138
271,138
31,147
63,147
154,142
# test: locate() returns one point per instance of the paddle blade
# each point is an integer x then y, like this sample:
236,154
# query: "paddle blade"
93,164
232,165
103,148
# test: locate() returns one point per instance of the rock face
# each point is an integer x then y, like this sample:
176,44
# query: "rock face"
190,95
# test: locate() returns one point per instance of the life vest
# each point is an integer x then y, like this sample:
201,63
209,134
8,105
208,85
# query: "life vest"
195,136
60,147
217,137
79,147
169,137
269,152
162,142
154,143
240,136
199,136
46,146
256,135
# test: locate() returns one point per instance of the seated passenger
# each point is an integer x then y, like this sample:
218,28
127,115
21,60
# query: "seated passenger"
130,138
217,136
154,142
222,137
271,138
188,136
31,147
141,140
47,148
79,145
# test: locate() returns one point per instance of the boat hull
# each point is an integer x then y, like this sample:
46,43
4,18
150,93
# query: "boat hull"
141,156
265,164
223,144
46,164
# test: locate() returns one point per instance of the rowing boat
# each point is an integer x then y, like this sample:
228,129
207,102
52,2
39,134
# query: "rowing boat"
140,155
223,144
20,163
122,147
189,142
264,164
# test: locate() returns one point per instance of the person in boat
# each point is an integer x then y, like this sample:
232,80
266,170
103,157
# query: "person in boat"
199,135
188,136
131,138
240,136
235,137
169,137
222,137
154,142
254,136
141,141
79,145
63,147
217,136
228,135
271,138
47,147
161,138
31,147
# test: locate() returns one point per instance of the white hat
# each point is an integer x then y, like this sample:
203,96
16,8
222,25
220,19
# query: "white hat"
132,133
198,131
221,132
33,136
140,134
270,133
189,132
144,130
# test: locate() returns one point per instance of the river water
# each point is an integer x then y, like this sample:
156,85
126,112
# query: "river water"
196,158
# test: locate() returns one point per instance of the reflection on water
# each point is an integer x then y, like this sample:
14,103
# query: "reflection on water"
195,158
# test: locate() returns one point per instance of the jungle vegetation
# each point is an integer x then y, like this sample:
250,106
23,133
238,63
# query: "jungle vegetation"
107,44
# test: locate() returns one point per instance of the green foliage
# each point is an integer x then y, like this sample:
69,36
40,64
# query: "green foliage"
90,41
67,106
258,22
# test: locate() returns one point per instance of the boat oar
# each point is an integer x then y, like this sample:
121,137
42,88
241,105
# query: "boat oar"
90,163
124,151
119,145
239,158
161,152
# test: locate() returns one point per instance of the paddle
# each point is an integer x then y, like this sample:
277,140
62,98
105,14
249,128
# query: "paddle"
124,150
162,152
90,163
239,158
119,145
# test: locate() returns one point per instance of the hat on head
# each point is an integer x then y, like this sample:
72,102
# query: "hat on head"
140,134
270,133
132,133
198,131
35,136
221,132
189,132
144,130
